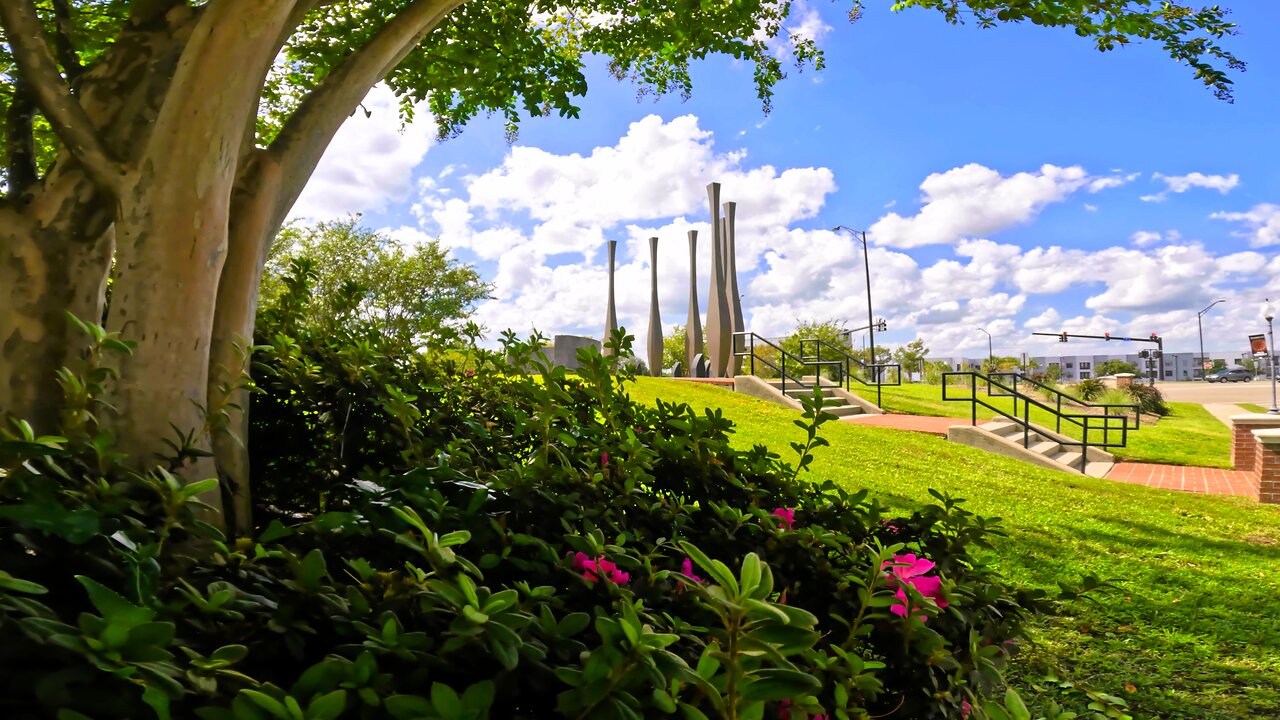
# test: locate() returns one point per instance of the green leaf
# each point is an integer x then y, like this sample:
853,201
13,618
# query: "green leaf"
407,707
268,703
446,702
717,570
311,570
1016,707
275,531
157,700
328,706
9,582
199,486
114,608
778,684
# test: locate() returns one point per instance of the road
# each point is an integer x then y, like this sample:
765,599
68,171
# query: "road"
1258,391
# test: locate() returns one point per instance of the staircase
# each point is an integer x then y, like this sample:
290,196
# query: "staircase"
834,403
1046,445
1013,434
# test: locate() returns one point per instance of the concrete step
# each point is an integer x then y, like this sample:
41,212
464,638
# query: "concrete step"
844,410
1070,458
1048,448
1013,431
1098,469
804,392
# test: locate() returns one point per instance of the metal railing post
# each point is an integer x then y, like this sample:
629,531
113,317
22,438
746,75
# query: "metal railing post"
1084,447
973,397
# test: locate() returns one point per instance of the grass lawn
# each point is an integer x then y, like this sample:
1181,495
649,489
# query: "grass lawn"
1189,435
1253,408
1194,628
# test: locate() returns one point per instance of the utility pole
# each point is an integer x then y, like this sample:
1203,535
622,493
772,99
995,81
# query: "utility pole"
1200,329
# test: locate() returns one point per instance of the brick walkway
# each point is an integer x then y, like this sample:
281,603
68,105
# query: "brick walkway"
1212,481
915,423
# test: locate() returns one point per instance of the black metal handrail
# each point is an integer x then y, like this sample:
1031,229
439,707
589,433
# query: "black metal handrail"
845,361
1084,421
744,345
1060,396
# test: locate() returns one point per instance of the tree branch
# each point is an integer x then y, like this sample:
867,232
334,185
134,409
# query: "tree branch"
305,136
23,172
54,98
64,48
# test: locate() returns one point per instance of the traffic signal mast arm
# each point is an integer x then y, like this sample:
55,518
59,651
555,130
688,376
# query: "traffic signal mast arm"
1063,336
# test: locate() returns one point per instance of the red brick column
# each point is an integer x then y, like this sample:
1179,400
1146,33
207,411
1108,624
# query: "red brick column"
1243,443
1267,464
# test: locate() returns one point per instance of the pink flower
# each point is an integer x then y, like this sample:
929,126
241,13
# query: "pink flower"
910,570
786,517
470,372
784,712
890,527
604,459
687,568
965,708
597,569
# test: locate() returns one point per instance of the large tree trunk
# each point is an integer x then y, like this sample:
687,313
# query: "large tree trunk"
56,237
252,228
171,231
56,262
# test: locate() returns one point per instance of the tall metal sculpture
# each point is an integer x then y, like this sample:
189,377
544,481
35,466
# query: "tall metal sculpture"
655,322
719,330
693,327
611,316
737,324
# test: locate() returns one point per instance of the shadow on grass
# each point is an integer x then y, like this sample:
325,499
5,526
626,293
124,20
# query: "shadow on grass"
1190,625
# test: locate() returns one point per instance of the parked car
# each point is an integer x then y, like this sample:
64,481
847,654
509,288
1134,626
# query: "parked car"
1235,374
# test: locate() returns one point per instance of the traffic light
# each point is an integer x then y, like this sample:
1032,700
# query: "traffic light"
1063,336
1107,336
1144,354
882,326
1155,336
1156,354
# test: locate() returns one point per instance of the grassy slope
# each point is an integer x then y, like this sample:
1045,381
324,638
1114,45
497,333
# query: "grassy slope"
1189,435
1195,627
1250,407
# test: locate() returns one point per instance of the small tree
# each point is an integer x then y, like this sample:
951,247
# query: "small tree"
911,356
673,349
1115,367
1053,373
414,297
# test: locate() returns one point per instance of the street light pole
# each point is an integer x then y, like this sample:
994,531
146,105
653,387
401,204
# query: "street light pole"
1200,329
1269,312
991,356
861,236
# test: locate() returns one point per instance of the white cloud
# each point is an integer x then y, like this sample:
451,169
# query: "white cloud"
370,161
1262,221
976,200
1090,208
1142,238
1182,183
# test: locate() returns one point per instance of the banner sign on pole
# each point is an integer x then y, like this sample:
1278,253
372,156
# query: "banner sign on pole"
1258,345
1208,364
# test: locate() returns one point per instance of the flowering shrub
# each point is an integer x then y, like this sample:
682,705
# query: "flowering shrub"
480,557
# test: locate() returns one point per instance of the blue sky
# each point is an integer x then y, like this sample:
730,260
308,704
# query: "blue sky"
1013,178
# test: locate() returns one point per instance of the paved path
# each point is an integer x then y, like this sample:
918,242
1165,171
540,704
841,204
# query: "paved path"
1224,411
1212,481
915,423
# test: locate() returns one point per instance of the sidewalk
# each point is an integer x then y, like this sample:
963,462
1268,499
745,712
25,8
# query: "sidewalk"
1224,411
915,423
1211,481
